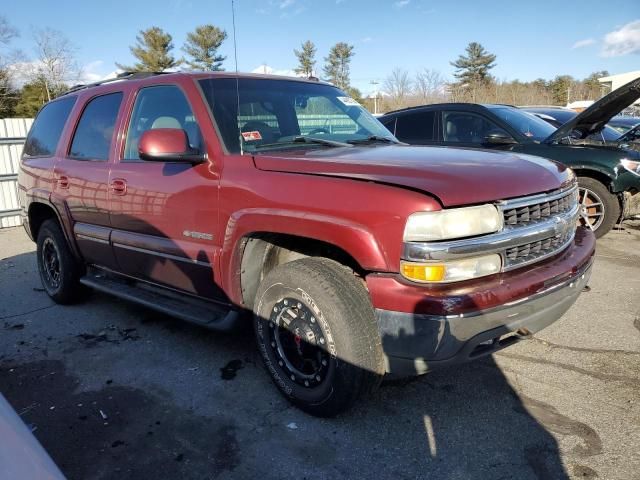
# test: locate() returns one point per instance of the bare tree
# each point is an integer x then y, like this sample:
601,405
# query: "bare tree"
7,91
56,63
398,86
429,86
7,32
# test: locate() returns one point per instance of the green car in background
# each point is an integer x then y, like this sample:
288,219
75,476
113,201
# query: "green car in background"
608,171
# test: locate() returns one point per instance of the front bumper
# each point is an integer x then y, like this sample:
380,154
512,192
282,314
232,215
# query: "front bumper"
418,341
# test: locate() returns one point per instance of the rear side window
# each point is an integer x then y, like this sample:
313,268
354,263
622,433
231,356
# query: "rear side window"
46,130
416,127
95,128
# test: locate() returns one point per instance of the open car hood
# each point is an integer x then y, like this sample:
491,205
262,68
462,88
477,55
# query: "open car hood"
594,118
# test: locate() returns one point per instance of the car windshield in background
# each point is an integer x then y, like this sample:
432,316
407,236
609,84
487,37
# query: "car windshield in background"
526,123
561,117
277,114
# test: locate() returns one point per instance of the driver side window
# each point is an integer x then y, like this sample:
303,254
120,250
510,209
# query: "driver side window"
466,127
161,106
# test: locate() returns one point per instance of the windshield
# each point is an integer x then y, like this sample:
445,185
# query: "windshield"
526,123
277,114
560,117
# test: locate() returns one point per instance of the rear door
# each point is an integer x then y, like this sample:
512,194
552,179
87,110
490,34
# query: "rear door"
81,176
164,214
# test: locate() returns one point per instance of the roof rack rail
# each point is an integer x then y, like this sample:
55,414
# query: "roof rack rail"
120,76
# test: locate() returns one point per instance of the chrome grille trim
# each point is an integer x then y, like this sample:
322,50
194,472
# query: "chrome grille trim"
537,208
518,245
516,257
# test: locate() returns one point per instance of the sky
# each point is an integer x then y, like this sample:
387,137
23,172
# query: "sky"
530,39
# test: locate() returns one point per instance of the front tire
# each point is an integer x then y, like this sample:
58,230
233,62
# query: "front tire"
59,271
600,209
317,334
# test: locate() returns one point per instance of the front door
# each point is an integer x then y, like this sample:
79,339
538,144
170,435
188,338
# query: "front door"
164,214
467,129
82,174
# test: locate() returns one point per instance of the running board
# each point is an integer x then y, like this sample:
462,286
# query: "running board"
200,312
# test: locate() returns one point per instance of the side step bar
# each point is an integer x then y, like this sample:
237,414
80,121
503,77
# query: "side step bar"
200,312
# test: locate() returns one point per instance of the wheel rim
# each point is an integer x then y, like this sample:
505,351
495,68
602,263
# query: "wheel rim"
591,208
298,343
51,263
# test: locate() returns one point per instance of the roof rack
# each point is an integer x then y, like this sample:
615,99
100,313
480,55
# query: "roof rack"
120,76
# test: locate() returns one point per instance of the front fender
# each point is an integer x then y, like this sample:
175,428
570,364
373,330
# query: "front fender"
353,238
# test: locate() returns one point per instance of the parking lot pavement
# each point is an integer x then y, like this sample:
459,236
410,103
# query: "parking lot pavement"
117,391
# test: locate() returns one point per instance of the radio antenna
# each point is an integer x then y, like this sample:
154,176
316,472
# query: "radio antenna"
235,55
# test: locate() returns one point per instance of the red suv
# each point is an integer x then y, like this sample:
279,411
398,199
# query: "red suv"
208,195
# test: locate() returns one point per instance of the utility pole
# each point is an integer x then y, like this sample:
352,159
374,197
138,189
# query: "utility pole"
375,96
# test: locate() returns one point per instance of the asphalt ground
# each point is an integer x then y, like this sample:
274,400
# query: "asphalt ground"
113,390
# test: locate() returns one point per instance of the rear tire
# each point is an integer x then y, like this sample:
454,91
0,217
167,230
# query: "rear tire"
317,334
600,207
59,271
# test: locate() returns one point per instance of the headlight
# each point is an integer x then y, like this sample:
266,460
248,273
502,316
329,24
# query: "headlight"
452,223
631,165
451,270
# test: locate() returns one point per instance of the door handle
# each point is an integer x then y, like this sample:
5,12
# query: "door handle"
118,186
63,181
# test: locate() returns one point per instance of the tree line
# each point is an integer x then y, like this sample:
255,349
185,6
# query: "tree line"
54,68
474,83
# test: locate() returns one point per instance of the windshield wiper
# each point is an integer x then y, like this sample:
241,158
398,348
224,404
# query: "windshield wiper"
302,139
378,139
320,141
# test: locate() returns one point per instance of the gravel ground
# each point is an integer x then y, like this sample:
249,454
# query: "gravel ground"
113,390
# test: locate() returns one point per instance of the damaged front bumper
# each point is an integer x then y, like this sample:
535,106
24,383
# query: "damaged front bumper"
480,319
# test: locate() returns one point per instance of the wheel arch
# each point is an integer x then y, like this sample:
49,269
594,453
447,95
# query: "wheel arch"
604,178
40,211
263,251
295,231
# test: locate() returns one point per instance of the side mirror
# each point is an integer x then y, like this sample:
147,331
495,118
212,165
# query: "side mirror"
499,137
168,145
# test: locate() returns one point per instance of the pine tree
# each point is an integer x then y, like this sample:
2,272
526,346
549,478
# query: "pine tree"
337,64
473,68
560,88
306,59
33,95
202,46
153,50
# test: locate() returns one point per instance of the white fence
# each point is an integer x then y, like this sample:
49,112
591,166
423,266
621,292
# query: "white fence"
12,135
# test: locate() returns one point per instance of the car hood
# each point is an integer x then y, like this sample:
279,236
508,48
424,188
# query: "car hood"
594,118
456,176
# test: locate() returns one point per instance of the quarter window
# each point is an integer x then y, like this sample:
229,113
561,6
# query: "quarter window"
163,106
92,139
45,133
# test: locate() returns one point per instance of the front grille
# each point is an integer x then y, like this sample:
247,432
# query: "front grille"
539,210
534,251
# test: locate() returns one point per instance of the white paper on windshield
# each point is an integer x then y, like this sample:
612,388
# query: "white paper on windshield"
348,101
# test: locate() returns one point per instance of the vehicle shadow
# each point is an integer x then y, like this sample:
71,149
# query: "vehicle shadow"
465,421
